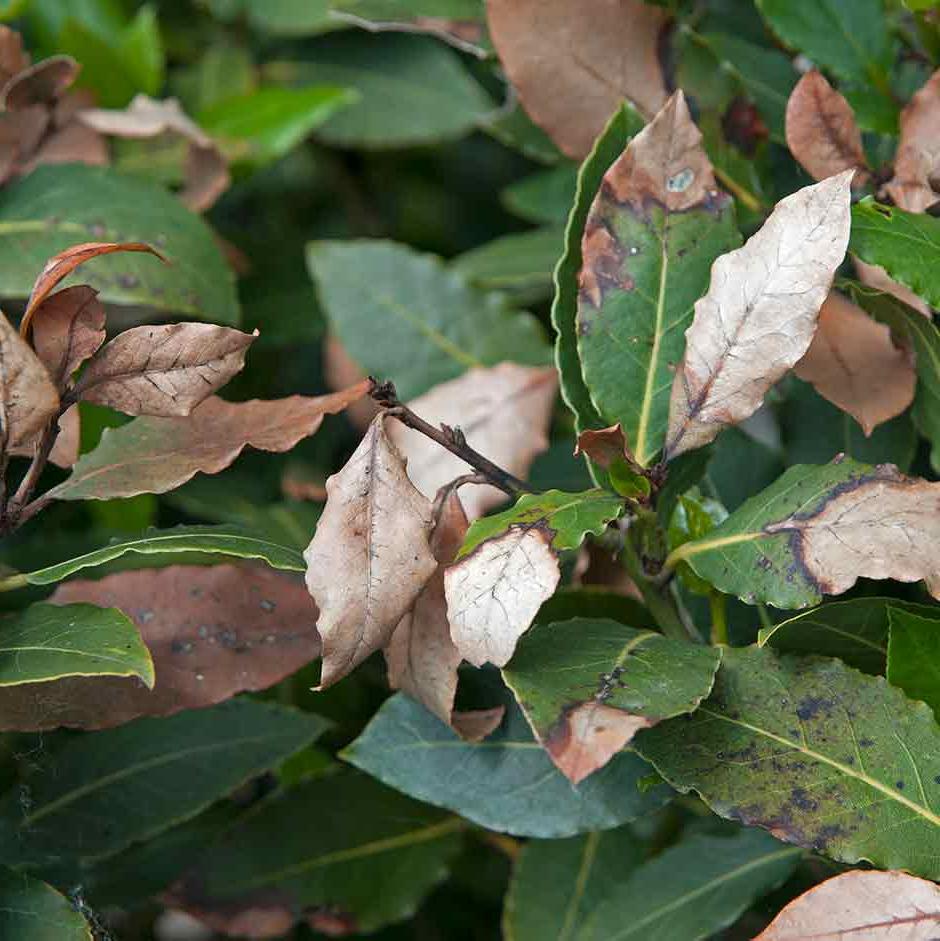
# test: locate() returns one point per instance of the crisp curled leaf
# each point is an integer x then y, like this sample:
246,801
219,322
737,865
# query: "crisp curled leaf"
28,397
370,557
917,161
759,315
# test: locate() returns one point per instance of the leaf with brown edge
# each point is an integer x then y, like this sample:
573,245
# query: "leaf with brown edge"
573,68
164,370
917,162
64,263
40,84
69,328
370,557
760,313
854,363
870,906
213,631
504,413
154,455
28,398
821,130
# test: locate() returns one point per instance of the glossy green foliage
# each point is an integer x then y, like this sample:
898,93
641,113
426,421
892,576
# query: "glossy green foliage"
914,654
33,911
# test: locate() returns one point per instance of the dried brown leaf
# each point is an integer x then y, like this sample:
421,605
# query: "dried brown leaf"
868,906
28,397
72,143
67,445
759,315
164,370
213,631
68,328
854,363
20,135
605,446
13,58
474,725
504,413
370,557
876,277
917,161
822,132
341,370
573,67
41,84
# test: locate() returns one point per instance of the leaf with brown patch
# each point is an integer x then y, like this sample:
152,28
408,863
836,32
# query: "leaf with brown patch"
370,557
760,313
917,162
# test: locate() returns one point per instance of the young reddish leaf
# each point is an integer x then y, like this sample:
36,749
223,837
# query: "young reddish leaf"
759,315
821,130
213,632
573,68
69,328
40,84
154,455
370,557
917,161
62,265
854,363
870,906
503,411
163,370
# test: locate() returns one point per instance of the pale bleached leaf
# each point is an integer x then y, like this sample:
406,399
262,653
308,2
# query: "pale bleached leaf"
28,397
917,162
760,313
370,557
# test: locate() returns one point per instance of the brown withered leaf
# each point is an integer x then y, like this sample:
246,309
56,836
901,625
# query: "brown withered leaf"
876,277
206,170
759,315
474,725
605,446
20,134
165,370
64,263
494,592
213,631
917,161
13,58
821,130
341,370
854,363
869,906
69,327
370,557
504,413
154,455
72,143
573,67
41,84
67,445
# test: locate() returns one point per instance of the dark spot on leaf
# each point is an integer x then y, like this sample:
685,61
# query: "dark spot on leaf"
811,706
899,785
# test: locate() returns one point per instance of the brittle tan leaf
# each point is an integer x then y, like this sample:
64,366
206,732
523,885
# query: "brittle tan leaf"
62,265
154,455
503,411
869,906
917,162
854,363
69,327
759,315
28,398
572,68
40,84
213,632
164,370
370,557
821,130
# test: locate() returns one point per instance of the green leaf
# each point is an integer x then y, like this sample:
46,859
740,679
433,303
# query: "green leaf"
413,90
739,466
274,120
56,207
48,17
544,197
48,641
396,10
289,17
369,852
623,125
505,783
141,49
569,516
557,884
823,756
30,910
905,244
434,325
96,793
914,654
513,128
594,601
693,889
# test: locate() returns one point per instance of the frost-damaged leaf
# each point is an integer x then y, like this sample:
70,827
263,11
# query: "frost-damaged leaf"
656,225
504,413
28,398
213,631
163,370
914,653
759,315
874,906
153,455
819,754
820,528
588,685
64,263
854,363
573,71
821,130
45,642
917,161
509,565
69,327
370,556
31,909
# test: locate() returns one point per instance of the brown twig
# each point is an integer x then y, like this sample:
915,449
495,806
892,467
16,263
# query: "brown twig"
452,439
